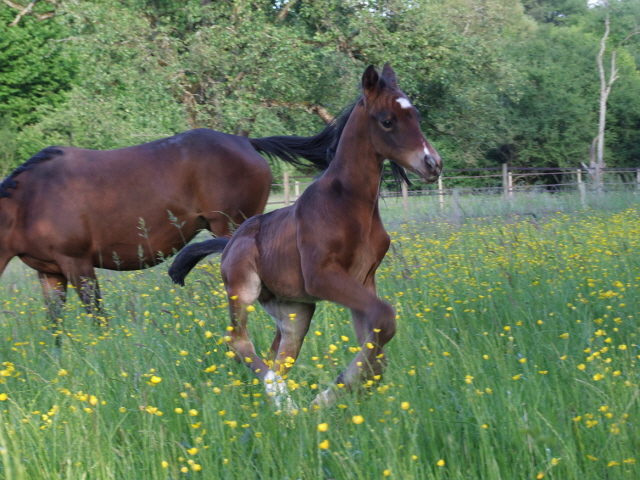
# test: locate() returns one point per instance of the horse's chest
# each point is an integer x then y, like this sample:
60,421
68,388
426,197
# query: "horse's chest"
366,259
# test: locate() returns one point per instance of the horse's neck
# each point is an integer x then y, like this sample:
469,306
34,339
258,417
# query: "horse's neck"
356,164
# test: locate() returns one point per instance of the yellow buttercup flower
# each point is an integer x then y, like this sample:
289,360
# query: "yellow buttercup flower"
357,419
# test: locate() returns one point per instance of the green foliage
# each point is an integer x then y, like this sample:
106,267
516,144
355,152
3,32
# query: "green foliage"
623,135
35,67
127,93
498,80
552,122
557,12
8,146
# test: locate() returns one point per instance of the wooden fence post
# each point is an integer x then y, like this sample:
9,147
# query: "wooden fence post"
286,189
505,180
440,192
582,189
405,197
638,177
297,189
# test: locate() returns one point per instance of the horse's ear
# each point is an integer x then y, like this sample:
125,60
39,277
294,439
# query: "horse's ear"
370,79
388,76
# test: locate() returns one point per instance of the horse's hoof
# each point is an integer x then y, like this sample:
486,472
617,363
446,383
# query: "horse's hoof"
324,399
286,404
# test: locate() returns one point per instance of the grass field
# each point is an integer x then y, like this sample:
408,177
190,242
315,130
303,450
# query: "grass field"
515,358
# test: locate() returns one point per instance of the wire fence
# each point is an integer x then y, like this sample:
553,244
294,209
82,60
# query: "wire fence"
506,181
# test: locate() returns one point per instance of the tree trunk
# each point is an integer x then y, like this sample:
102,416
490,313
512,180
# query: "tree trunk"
605,89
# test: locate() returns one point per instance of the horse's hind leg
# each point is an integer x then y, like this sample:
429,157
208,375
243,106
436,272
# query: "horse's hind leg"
54,289
292,320
241,295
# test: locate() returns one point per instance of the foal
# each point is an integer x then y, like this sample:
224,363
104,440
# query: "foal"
327,246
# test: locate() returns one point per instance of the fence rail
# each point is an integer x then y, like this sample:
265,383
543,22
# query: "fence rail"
508,182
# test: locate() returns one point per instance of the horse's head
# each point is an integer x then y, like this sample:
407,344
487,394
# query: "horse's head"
394,127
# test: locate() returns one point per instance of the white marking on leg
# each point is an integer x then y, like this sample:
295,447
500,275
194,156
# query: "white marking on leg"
324,399
404,103
277,389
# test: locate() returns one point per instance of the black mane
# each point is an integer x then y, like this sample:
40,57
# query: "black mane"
319,149
41,156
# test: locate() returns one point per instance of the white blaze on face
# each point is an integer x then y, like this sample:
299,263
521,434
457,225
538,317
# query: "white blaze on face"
404,103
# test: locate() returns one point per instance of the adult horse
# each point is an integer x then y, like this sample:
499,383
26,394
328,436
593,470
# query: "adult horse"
327,246
68,210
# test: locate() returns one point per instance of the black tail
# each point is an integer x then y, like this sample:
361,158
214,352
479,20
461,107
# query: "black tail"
319,150
190,255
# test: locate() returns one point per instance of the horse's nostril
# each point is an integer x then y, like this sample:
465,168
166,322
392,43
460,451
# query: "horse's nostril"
429,160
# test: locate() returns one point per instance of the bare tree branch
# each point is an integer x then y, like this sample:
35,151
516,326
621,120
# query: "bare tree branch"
14,5
27,10
44,16
636,32
23,12
285,10
322,112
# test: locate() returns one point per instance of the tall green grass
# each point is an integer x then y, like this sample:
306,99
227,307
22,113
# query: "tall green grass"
515,358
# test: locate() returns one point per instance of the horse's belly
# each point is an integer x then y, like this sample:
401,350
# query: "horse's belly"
43,266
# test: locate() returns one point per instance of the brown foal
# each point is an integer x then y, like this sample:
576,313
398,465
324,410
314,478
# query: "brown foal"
327,246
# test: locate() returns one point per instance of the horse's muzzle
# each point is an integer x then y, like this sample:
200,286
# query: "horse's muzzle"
430,169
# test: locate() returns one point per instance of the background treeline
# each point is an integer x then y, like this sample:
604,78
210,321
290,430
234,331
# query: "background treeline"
494,80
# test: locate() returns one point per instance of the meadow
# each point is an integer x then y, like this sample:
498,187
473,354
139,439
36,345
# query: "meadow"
515,358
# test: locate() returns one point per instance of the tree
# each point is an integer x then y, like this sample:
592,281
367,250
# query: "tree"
551,120
606,83
35,69
126,91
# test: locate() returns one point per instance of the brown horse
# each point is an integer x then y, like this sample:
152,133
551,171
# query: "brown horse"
68,210
327,246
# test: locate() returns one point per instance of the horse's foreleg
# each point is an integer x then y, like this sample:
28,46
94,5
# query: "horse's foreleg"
374,322
85,282
292,320
54,289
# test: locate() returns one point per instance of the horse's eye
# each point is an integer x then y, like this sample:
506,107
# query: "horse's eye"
386,123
